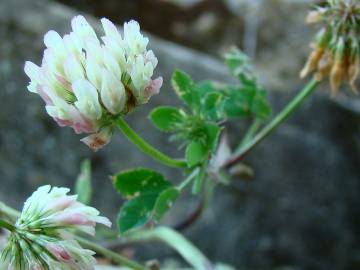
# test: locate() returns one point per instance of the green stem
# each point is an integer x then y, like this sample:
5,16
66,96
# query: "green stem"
281,117
8,211
6,225
188,179
117,258
250,133
147,148
200,179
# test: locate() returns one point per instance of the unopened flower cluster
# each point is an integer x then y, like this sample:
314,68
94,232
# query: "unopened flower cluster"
336,50
42,239
87,83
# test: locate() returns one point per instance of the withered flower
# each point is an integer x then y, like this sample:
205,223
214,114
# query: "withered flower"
336,48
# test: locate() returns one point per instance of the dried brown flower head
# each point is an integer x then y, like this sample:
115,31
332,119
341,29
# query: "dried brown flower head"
336,48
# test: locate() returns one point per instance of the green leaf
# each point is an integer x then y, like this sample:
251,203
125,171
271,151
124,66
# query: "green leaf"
240,66
165,118
138,181
136,212
207,86
239,101
165,201
261,107
213,105
150,197
246,101
195,153
83,183
213,133
185,88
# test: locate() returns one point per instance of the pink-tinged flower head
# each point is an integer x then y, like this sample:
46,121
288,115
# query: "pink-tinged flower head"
57,210
87,82
45,228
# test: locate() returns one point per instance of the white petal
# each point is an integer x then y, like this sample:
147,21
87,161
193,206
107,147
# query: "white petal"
111,64
94,50
150,57
117,50
73,69
72,43
32,71
87,99
141,74
93,71
111,30
82,28
53,61
54,41
113,93
135,41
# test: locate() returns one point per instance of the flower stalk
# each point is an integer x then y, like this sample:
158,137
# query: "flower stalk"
147,148
250,133
6,225
280,118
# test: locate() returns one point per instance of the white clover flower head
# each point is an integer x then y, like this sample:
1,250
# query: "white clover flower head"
42,239
87,82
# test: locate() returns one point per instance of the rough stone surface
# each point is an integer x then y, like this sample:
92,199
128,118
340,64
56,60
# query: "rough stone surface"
301,211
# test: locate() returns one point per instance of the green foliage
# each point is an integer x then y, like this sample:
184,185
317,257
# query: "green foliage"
207,104
248,98
150,196
185,88
240,66
138,181
165,201
246,101
212,135
166,118
83,183
195,153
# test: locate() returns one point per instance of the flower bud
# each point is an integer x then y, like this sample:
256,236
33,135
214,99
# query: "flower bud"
87,83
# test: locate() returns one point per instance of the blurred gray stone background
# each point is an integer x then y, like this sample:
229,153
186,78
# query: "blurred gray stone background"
301,210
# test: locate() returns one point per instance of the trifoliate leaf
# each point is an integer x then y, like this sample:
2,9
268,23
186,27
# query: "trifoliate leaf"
166,118
150,196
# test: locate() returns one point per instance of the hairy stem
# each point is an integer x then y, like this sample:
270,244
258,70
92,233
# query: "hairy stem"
280,118
147,148
115,257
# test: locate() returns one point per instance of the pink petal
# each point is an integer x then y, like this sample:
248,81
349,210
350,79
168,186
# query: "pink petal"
59,252
153,88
